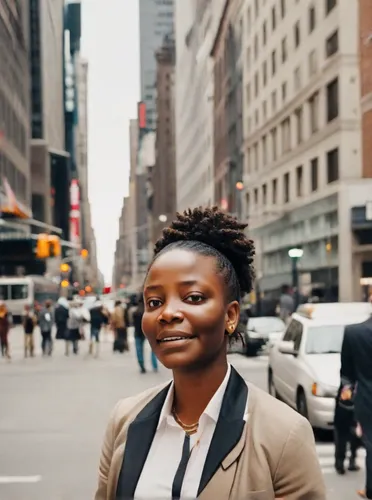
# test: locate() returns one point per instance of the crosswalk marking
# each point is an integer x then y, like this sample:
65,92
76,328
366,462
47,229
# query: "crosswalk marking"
326,456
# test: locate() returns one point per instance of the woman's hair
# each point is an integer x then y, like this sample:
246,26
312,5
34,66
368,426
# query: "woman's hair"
211,232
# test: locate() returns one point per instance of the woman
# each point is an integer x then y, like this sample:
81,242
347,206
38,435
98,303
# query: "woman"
119,322
5,324
75,323
61,318
208,434
140,337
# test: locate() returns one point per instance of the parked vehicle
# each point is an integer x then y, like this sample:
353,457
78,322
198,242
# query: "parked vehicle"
261,332
304,367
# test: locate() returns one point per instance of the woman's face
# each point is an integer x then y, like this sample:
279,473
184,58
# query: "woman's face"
186,312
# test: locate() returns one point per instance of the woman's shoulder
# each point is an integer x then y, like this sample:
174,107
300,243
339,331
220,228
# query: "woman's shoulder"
127,409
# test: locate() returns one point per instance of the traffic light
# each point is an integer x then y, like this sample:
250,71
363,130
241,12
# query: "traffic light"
328,247
65,284
48,246
64,268
84,253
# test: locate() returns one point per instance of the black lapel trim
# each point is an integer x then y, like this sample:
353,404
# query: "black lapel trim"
139,439
229,426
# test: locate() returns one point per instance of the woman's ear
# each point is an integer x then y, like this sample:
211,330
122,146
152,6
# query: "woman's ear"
232,316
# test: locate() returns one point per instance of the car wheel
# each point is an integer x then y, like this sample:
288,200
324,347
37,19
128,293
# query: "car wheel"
272,390
302,404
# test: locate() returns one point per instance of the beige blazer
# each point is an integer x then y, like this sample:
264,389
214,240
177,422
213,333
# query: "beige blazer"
271,455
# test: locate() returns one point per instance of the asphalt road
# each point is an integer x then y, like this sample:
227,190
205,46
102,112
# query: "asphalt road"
54,410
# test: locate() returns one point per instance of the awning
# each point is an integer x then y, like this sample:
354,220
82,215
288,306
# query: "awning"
9,203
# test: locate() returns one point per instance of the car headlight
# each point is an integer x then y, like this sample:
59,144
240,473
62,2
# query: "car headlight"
323,390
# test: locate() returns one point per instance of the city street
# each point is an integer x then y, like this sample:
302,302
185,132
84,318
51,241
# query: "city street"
54,411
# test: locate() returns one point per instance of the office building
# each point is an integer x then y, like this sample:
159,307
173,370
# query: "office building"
163,174
307,174
14,104
227,109
155,22
196,28
49,159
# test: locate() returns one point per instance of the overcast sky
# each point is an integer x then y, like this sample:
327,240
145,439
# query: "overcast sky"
110,43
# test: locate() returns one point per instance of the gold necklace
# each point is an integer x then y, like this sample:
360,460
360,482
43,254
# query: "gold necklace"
188,428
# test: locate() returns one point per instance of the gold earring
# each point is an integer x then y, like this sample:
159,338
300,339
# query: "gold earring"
231,328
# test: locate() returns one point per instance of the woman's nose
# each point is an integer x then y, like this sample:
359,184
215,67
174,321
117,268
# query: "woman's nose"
170,313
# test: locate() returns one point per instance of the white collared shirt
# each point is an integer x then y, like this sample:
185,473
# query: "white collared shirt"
162,461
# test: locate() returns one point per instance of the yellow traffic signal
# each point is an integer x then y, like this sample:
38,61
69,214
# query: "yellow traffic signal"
329,247
84,253
48,246
64,283
54,246
88,289
64,268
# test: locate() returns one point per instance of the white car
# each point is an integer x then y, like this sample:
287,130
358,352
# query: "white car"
304,367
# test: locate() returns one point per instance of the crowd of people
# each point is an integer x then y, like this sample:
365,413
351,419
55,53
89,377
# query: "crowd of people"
70,320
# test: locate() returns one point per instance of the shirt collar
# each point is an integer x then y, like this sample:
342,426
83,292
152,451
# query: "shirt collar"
212,410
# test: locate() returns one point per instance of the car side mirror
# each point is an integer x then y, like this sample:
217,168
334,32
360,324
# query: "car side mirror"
287,347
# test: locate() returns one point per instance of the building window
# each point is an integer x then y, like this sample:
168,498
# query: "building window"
332,44
284,49
273,101
313,66
299,127
282,8
249,58
314,113
264,33
274,191
332,166
299,181
297,79
264,150
248,93
264,194
255,47
297,34
330,5
332,100
284,91
312,19
264,110
273,62
256,84
255,156
255,195
256,8
274,143
286,135
273,18
286,188
264,73
314,174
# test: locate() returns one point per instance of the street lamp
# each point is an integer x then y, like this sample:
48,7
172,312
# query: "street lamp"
162,218
295,254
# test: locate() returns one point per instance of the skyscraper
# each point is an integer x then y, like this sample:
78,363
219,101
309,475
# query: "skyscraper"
156,21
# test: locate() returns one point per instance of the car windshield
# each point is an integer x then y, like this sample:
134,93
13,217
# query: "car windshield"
266,325
326,339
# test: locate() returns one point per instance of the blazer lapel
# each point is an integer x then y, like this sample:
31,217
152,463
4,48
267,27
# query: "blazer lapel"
139,438
229,427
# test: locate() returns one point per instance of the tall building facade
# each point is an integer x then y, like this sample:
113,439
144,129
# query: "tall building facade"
49,159
196,27
163,174
155,22
227,109
14,101
307,177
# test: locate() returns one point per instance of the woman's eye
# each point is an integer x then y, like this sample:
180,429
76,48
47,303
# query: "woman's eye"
154,303
195,299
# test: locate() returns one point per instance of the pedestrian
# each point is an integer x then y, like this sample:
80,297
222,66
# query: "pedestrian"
119,322
207,434
75,324
286,304
61,317
140,337
46,321
356,370
97,320
5,324
29,322
345,429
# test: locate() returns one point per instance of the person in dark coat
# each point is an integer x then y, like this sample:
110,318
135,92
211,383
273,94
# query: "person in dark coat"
356,367
140,337
61,318
345,429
